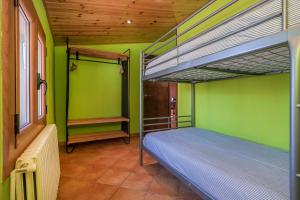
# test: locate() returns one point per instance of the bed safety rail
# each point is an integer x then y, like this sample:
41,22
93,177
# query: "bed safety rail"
167,123
180,44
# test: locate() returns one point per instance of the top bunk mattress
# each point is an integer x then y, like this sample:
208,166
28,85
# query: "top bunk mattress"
223,167
264,20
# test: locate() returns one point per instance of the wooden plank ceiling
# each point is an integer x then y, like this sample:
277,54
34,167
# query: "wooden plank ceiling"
105,21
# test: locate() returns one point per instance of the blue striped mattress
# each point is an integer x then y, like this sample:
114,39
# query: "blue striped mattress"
224,167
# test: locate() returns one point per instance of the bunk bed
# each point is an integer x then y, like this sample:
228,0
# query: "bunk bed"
261,40
97,56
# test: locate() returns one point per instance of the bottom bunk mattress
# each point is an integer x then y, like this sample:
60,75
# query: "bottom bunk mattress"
223,167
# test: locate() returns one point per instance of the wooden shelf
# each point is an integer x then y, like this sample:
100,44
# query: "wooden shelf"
79,122
73,139
97,54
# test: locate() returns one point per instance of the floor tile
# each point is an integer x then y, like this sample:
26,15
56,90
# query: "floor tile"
194,197
133,153
149,159
164,185
113,177
110,170
184,190
127,194
106,161
164,172
101,192
153,196
128,165
71,170
72,189
116,152
81,158
92,173
137,182
151,169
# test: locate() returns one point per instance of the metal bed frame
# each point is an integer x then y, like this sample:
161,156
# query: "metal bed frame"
272,54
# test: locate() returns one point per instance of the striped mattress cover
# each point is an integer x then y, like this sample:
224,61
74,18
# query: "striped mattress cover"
224,167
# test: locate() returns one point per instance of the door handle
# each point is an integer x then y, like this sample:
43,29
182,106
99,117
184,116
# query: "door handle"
40,82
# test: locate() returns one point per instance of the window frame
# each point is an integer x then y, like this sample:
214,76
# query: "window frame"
14,144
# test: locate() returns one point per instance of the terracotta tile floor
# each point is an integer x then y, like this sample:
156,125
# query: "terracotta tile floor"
110,170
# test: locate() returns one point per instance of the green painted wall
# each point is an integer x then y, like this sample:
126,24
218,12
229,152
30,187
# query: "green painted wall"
253,108
95,89
4,185
184,102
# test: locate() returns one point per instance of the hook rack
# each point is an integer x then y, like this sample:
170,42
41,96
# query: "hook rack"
123,60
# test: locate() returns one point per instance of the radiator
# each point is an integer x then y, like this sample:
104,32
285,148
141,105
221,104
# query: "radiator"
37,171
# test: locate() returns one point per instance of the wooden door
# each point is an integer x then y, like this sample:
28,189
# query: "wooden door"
160,100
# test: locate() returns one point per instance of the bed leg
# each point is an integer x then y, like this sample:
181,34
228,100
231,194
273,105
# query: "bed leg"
294,44
193,104
70,148
141,106
141,157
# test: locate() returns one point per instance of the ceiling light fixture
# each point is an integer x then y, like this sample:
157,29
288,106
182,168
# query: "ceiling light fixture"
129,21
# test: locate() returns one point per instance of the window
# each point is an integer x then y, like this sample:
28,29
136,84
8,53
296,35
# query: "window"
24,69
24,110
30,73
41,49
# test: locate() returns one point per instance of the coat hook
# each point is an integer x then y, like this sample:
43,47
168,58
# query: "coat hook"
73,67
